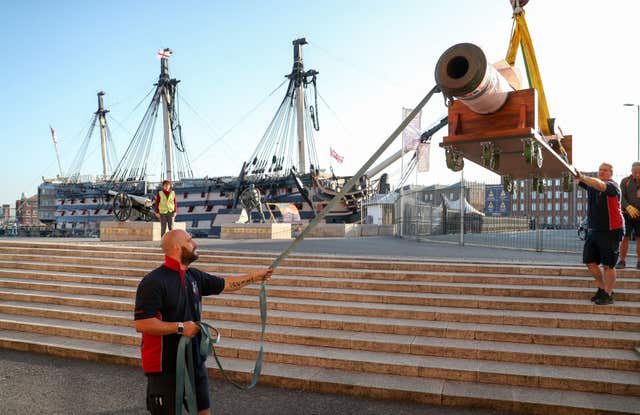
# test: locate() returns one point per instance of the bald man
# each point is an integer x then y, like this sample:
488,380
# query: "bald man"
168,303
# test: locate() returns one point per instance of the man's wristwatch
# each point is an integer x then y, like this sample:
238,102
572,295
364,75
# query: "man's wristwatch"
180,327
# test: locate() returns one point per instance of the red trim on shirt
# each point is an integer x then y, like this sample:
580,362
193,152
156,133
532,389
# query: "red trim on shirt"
174,265
151,351
615,217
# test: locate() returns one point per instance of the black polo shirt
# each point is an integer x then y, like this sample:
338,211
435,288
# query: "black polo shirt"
604,207
171,294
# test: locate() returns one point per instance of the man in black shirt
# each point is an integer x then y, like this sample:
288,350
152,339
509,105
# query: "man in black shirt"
606,227
168,303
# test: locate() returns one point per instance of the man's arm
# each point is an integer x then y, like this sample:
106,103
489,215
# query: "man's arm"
623,193
158,327
235,283
175,204
592,182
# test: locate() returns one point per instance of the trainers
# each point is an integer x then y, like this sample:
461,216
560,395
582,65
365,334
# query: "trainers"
598,294
606,299
621,265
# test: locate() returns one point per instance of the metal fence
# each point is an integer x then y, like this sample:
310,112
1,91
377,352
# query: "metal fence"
523,219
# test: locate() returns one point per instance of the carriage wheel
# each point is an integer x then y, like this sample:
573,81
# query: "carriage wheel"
122,207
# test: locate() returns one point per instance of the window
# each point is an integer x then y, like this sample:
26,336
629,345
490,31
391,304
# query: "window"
541,207
557,182
549,220
549,194
533,207
521,184
549,206
194,224
557,206
579,194
521,195
579,205
565,206
565,194
533,195
522,207
514,196
557,194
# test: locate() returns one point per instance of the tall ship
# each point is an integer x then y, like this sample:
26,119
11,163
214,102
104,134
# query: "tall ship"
283,169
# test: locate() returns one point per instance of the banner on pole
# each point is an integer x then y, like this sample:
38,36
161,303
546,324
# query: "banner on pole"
424,151
411,134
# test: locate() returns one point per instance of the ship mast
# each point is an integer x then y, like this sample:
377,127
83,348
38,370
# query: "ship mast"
103,132
168,86
299,77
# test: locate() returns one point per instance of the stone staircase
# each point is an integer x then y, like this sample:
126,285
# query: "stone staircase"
510,337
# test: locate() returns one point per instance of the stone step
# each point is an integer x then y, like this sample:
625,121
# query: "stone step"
307,261
385,386
524,286
58,322
616,382
358,317
622,293
370,296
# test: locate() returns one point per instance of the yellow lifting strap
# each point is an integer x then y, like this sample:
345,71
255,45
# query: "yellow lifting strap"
520,36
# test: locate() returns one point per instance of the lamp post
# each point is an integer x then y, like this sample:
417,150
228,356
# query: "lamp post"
638,108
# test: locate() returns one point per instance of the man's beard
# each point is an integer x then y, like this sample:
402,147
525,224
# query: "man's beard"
187,257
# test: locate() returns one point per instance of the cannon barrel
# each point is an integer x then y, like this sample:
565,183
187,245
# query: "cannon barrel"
462,72
140,200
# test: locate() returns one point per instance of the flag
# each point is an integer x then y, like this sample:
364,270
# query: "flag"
53,135
335,155
424,150
164,54
411,134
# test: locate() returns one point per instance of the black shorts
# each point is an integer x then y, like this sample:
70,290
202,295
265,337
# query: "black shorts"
161,392
602,247
631,226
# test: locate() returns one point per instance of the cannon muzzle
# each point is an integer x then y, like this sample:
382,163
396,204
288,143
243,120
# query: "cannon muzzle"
462,72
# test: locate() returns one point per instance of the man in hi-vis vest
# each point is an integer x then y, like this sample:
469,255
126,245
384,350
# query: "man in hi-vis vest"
166,206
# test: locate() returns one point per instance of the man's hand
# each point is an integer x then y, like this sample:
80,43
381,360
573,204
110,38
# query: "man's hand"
633,212
263,274
190,329
578,177
158,215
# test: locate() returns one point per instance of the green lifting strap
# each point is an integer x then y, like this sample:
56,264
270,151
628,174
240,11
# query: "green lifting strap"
185,375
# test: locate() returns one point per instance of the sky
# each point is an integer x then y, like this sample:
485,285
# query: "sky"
374,57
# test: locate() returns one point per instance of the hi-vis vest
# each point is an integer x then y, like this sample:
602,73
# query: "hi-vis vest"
167,204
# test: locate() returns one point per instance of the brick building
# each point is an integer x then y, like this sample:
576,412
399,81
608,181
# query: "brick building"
27,211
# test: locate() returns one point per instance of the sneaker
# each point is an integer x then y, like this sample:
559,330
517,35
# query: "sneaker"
621,265
606,299
598,294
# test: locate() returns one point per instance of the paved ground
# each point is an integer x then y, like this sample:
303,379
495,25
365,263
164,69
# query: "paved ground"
38,384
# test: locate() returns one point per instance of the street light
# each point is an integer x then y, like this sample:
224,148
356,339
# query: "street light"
638,108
